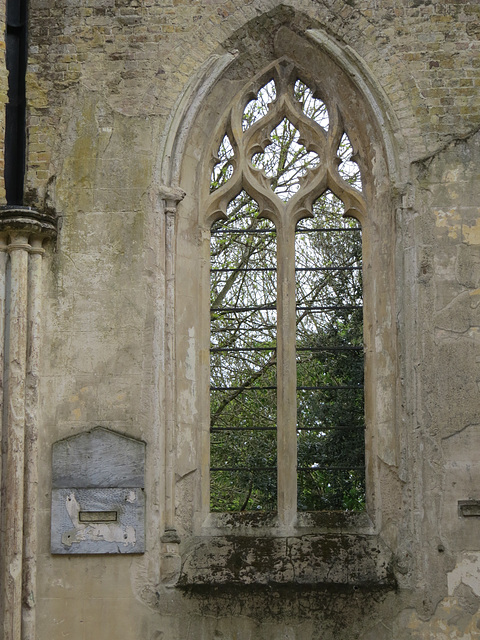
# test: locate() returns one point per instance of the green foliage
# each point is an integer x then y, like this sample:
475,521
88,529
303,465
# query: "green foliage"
243,360
329,354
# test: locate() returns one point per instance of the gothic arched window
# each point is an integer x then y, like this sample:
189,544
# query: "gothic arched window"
286,327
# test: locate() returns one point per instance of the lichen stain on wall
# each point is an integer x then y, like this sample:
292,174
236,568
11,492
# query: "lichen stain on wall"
77,176
450,220
471,234
455,618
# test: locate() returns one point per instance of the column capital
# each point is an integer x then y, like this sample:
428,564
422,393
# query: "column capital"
171,196
26,220
19,240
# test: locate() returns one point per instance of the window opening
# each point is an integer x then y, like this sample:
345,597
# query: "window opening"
313,107
348,168
223,169
243,360
286,307
330,408
257,108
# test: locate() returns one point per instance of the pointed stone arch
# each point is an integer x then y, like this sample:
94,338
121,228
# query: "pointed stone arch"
195,131
232,58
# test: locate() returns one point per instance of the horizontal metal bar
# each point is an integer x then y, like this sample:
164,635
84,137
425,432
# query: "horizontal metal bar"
257,329
273,269
220,270
217,429
270,388
299,469
324,428
324,229
266,307
330,308
243,469
332,428
311,469
324,387
327,387
229,349
216,232
328,268
299,349
329,349
248,232
272,307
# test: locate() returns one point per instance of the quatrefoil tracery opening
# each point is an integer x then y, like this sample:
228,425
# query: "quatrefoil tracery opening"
285,160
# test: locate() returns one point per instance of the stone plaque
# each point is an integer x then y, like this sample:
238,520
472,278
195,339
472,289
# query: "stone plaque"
98,501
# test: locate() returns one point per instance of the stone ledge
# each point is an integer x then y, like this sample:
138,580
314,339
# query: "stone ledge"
19,218
267,523
317,559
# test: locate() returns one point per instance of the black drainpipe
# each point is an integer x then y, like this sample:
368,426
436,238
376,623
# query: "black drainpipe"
15,139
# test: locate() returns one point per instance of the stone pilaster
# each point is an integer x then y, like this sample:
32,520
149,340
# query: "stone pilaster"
22,231
171,196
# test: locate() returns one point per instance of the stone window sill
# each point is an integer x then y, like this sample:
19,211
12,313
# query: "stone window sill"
320,549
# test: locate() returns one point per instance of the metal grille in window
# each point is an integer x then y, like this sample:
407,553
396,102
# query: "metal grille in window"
286,306
243,360
330,406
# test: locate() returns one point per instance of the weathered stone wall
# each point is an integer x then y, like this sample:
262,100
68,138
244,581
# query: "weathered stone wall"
108,84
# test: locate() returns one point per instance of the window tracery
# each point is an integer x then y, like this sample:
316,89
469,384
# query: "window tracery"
286,295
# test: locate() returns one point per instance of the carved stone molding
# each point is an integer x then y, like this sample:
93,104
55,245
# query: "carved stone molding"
171,196
28,220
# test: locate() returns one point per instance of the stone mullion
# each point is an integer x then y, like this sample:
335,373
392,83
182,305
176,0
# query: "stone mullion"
170,387
286,375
